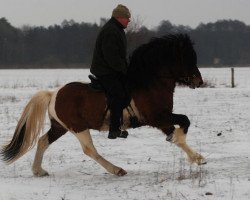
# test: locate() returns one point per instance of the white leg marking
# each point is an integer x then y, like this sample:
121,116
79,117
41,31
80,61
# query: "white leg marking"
89,149
179,138
52,111
43,144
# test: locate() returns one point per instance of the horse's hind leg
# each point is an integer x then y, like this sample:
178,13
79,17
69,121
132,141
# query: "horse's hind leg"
179,138
55,132
89,149
41,147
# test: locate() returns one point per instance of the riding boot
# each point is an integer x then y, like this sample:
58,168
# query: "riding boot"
116,95
115,123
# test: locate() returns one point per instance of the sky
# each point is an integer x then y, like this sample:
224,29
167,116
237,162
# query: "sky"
150,13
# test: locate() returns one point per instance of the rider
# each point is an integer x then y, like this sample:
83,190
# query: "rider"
109,65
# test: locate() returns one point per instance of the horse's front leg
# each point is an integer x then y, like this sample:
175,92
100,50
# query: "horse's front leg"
178,136
169,121
181,120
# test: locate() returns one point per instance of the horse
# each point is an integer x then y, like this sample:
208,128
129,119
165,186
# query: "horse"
153,72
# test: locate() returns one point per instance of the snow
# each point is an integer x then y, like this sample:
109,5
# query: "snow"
156,169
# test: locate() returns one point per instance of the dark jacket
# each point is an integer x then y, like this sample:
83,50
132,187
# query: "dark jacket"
109,56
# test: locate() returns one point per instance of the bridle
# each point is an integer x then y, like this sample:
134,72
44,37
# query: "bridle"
188,79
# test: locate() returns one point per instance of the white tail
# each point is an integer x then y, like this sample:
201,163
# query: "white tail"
28,128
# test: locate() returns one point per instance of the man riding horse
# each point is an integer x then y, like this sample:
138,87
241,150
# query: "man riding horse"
109,65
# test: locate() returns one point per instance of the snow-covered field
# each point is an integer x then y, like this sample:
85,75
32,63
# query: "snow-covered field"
220,124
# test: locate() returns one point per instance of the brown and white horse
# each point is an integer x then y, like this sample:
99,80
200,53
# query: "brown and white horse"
153,72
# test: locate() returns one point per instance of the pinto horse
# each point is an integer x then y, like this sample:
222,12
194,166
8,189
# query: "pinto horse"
154,70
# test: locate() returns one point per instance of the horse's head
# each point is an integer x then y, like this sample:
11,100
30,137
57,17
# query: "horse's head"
191,75
189,72
170,57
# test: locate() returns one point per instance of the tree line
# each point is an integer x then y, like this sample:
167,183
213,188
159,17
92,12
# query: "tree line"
71,44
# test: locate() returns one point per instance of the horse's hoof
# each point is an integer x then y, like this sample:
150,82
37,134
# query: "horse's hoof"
121,172
202,162
170,138
40,173
170,133
198,159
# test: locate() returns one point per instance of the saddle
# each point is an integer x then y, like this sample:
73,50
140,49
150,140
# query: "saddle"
97,86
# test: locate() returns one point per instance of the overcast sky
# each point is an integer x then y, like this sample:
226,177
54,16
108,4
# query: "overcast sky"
151,12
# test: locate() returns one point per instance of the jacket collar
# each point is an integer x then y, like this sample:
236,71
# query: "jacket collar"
118,24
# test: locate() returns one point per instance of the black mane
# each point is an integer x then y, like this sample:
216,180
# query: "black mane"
148,60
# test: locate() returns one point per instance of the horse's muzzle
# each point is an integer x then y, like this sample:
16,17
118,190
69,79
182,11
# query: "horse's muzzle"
196,82
193,82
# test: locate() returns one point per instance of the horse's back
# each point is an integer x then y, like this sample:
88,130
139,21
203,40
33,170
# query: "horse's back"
80,107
